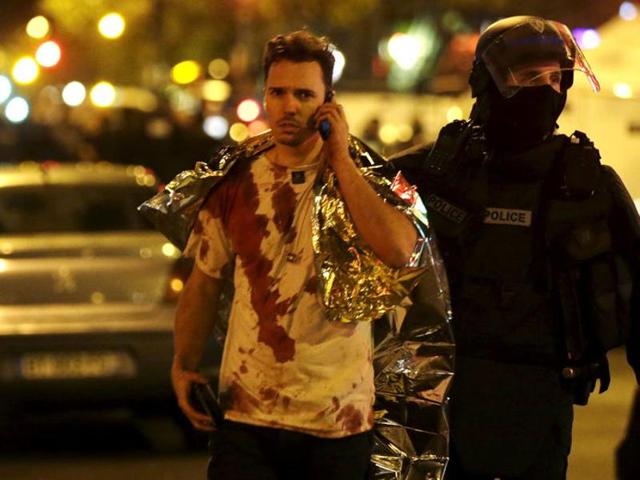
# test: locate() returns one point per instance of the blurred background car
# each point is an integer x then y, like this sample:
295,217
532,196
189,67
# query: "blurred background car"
88,292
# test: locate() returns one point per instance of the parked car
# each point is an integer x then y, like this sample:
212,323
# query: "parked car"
87,290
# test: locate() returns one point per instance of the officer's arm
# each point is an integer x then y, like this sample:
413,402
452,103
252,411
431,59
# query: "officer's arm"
411,163
625,228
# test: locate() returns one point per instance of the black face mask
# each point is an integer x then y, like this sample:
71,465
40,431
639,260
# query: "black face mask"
524,120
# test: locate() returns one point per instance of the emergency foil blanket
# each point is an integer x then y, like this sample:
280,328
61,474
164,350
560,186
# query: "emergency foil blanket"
414,352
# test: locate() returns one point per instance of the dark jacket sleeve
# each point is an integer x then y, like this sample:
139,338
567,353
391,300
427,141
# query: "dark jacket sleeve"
624,224
410,162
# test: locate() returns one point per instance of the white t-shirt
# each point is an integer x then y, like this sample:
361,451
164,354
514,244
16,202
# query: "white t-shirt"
284,364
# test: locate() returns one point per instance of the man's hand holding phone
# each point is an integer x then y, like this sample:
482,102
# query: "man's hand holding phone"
183,382
331,122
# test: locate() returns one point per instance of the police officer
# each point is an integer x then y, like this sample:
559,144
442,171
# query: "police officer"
541,245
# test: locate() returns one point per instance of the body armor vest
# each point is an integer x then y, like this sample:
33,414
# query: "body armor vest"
526,241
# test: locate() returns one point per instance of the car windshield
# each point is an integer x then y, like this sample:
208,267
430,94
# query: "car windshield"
72,208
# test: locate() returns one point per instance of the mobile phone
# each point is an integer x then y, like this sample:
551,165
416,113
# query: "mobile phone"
325,127
203,397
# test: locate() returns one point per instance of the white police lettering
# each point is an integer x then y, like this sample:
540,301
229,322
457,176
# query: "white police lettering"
445,208
508,216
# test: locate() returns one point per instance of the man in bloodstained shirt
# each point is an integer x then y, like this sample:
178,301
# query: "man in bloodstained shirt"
296,389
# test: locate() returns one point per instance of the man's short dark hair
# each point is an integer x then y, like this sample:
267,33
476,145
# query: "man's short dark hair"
300,46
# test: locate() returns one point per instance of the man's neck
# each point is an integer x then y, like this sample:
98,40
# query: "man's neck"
296,156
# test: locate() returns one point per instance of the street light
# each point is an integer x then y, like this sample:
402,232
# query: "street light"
74,93
25,70
103,94
38,27
5,88
338,66
111,25
248,110
48,54
185,72
17,110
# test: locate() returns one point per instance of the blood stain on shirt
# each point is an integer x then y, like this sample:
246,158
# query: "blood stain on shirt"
312,285
284,205
269,394
246,229
241,400
351,419
204,248
197,227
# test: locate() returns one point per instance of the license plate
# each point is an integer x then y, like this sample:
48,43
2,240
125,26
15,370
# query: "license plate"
76,365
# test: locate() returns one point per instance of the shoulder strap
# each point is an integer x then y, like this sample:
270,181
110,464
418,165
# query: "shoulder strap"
580,168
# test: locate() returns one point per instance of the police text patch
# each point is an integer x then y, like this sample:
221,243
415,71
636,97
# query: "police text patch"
508,216
445,208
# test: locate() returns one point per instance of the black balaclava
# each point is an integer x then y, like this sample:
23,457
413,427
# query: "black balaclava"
524,120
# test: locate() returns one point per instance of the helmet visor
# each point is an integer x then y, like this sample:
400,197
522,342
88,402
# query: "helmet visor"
534,53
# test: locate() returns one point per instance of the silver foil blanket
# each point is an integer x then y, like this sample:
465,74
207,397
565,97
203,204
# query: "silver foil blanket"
414,352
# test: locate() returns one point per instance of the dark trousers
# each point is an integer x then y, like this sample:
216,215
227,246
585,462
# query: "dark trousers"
246,452
508,421
550,463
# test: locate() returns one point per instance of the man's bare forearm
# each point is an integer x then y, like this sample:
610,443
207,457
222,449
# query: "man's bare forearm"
386,230
195,318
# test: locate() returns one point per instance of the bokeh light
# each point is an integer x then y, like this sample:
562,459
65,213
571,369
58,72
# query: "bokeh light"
622,90
388,133
248,110
48,54
168,250
239,132
25,70
587,38
216,126
628,11
38,27
216,90
218,68
405,50
74,93
339,64
17,110
103,94
111,25
5,88
405,132
185,72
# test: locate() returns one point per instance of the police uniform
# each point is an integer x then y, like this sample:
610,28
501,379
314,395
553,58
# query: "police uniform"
540,242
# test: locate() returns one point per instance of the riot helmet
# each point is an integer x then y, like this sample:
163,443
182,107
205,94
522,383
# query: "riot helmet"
525,51
522,70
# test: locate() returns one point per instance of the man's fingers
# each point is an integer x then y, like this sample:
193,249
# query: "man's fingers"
192,413
204,425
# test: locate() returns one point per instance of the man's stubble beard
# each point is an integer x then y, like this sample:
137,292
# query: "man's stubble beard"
296,140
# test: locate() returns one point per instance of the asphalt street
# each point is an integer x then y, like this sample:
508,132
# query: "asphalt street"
117,447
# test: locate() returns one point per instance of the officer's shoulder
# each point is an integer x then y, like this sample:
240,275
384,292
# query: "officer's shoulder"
615,186
411,158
